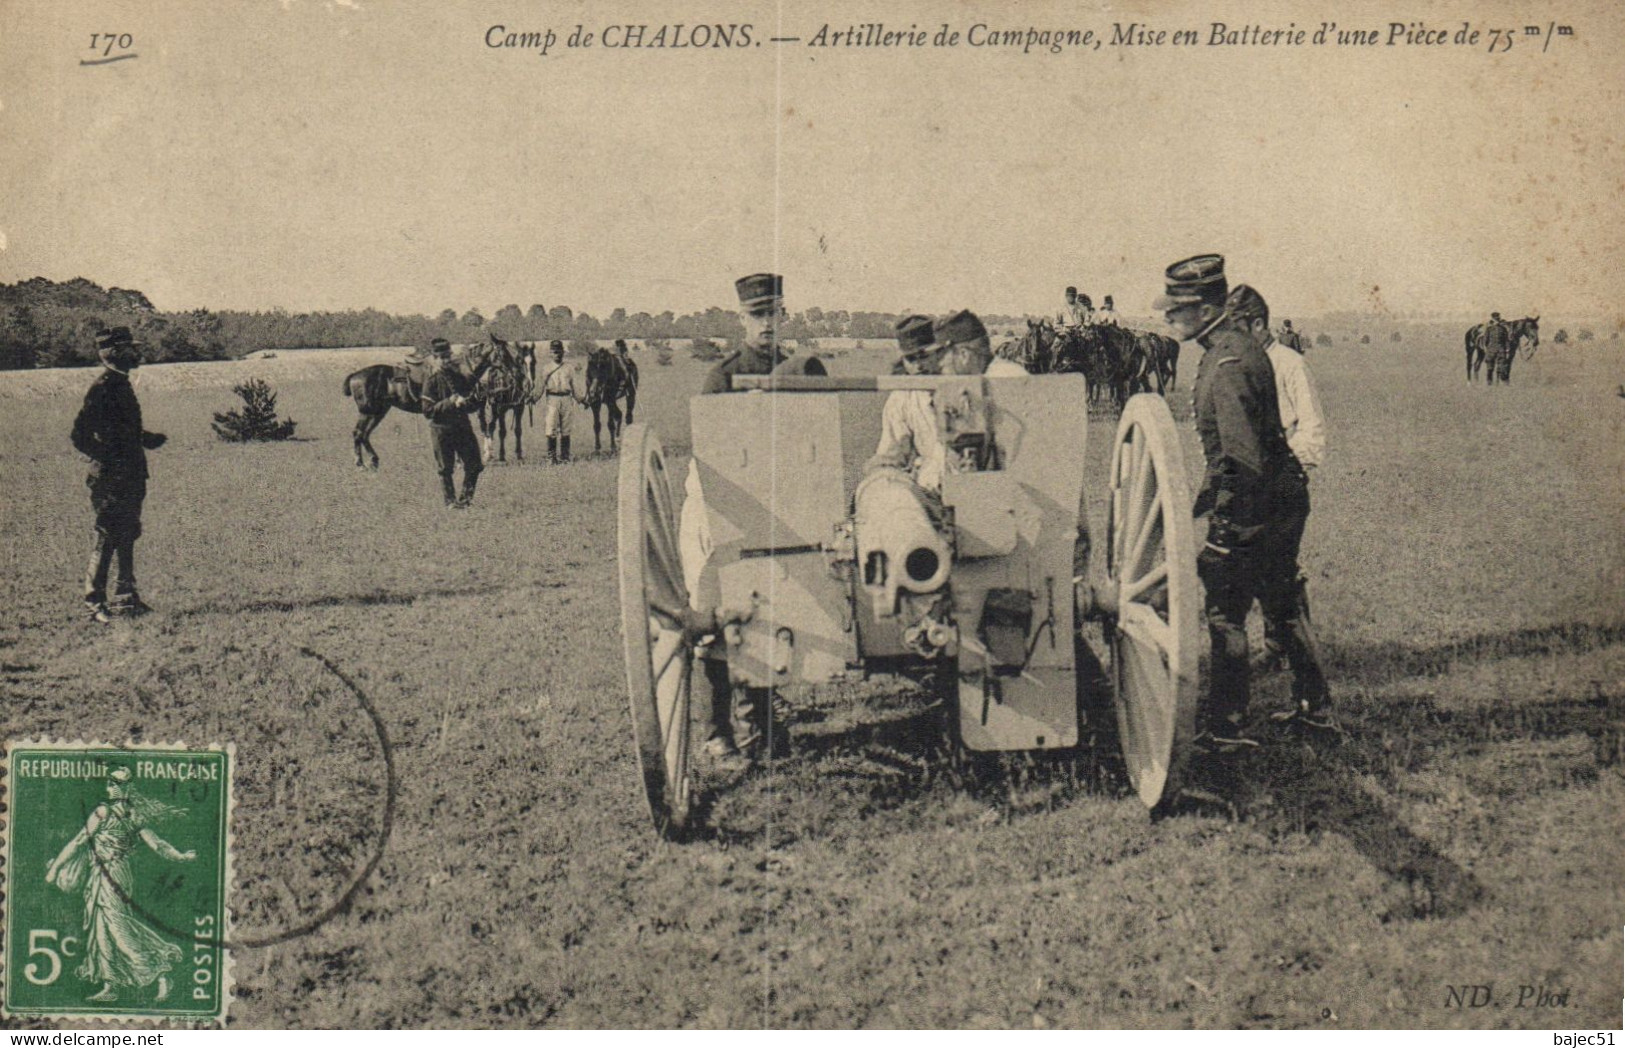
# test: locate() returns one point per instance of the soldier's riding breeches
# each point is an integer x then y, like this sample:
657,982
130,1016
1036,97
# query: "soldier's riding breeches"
556,418
451,444
1265,569
117,501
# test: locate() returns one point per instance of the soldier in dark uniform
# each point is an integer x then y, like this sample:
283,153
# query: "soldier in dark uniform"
761,309
108,431
448,397
734,732
1254,492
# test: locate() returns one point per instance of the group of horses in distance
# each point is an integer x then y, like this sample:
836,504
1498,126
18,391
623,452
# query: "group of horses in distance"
1485,349
1116,362
505,387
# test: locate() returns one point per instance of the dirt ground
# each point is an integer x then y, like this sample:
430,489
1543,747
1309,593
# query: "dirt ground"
1466,563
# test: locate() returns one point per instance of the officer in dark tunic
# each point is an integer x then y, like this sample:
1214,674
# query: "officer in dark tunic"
761,308
735,729
1255,494
448,397
108,431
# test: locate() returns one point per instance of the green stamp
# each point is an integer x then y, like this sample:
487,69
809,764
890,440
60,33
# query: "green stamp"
116,870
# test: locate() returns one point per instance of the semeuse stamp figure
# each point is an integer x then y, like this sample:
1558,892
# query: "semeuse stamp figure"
108,431
107,913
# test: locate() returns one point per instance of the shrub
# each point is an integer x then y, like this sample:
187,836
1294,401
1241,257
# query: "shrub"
661,349
1562,336
1323,339
257,420
1395,337
1365,340
704,349
1586,335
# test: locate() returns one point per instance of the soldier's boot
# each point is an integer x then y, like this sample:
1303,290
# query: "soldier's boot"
126,599
1311,698
471,480
553,450
448,489
718,695
1222,727
760,723
564,449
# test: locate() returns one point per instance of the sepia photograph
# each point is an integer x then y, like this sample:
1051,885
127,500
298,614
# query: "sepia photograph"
800,515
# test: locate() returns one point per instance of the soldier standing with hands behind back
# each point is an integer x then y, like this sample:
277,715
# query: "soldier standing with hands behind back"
1255,493
447,400
108,431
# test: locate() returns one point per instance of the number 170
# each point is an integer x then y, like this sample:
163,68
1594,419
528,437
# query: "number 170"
107,41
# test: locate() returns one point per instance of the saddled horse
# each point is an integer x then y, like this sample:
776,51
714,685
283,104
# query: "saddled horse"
506,387
378,388
608,382
1524,333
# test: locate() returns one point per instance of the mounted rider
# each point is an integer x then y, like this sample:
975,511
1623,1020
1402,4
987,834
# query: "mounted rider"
1077,312
1107,313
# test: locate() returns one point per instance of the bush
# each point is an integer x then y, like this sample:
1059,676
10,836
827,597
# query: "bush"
1323,339
1395,337
1586,335
1365,340
1562,336
257,420
704,349
661,348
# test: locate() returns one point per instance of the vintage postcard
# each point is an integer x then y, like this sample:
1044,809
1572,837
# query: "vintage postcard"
117,875
814,515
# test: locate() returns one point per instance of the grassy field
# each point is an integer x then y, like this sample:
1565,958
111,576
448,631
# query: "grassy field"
1467,567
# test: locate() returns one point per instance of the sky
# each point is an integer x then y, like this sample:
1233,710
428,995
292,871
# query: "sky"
336,154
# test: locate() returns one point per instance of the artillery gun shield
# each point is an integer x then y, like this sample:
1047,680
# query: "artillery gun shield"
1153,596
653,602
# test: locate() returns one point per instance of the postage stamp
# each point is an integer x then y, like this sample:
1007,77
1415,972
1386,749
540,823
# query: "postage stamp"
117,868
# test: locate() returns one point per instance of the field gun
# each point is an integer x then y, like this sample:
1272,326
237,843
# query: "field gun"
822,568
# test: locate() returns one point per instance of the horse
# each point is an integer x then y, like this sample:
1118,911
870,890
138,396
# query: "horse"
378,388
508,386
608,380
1162,353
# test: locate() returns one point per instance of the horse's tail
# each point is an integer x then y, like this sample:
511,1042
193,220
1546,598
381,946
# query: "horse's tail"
347,380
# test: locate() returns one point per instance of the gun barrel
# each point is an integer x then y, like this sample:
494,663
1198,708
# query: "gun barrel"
900,547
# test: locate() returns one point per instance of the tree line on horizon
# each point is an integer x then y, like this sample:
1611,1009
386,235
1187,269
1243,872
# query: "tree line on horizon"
44,323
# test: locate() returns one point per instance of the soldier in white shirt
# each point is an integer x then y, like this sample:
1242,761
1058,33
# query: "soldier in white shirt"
1107,313
908,422
1300,408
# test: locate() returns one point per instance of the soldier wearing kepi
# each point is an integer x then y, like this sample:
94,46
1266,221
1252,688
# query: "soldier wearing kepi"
447,398
108,431
733,733
559,388
1254,492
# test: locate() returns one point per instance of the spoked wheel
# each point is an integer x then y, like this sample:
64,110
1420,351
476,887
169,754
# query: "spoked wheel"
1151,570
653,601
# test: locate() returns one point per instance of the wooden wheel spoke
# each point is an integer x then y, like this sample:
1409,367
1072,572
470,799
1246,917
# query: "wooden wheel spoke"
1133,591
1153,562
654,602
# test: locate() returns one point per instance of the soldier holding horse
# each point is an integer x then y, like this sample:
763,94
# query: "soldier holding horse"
1492,344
